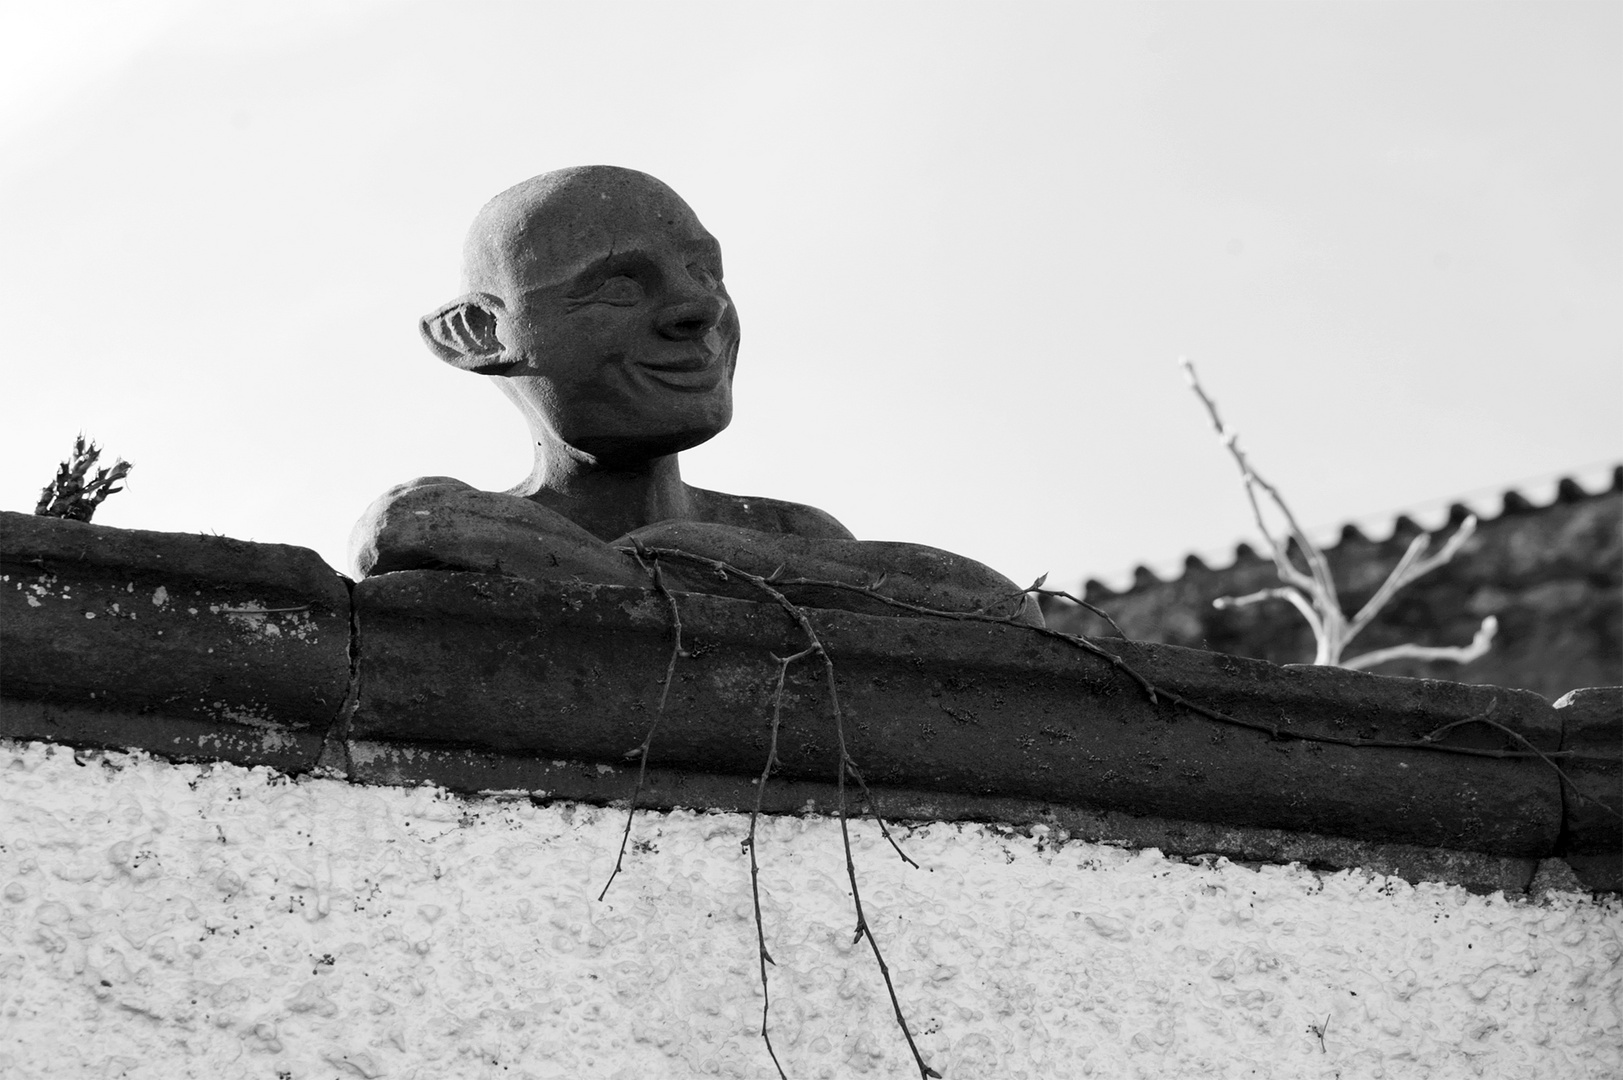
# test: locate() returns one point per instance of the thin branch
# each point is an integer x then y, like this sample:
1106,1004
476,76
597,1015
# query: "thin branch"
1016,598
641,752
863,929
1462,654
1076,640
1061,594
1282,592
1319,576
1447,552
1412,567
1485,718
1151,691
1312,581
846,764
770,586
764,957
1394,581
1278,592
1332,631
798,614
1481,717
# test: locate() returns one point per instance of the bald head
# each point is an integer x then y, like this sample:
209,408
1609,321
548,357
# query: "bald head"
545,227
595,298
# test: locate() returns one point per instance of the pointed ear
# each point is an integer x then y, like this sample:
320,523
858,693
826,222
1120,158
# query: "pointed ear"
463,334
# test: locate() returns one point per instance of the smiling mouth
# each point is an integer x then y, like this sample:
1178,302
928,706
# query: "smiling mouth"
693,373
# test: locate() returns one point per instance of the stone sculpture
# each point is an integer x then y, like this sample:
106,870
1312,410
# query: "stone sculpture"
595,301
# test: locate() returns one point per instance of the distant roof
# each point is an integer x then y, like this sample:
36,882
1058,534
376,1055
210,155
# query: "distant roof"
1511,502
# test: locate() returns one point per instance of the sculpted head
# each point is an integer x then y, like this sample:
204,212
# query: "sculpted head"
595,299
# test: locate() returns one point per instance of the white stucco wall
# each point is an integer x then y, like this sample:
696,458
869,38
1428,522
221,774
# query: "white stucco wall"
170,921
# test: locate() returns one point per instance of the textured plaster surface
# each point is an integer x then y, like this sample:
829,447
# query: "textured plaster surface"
163,920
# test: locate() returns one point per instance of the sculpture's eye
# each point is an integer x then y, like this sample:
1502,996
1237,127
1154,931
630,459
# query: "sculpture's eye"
621,291
704,275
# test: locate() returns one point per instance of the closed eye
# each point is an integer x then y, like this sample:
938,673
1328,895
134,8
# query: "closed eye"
619,291
704,275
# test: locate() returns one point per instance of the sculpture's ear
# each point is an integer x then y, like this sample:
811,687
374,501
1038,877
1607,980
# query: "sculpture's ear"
463,334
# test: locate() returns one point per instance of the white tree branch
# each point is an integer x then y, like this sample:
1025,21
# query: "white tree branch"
1319,577
1314,592
1460,654
1412,567
1394,581
1284,592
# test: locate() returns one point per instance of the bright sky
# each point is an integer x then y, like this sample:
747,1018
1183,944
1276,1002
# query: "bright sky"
968,243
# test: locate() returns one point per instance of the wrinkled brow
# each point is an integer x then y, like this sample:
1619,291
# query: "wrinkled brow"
564,277
703,245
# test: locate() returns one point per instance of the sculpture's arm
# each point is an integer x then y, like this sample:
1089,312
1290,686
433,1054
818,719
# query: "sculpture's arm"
914,573
439,523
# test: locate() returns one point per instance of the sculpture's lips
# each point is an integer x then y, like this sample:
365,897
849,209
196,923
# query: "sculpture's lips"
701,372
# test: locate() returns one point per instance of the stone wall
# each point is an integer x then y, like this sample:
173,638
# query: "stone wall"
1552,575
209,648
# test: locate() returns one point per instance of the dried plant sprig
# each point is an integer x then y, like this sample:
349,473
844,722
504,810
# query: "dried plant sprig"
70,495
1313,592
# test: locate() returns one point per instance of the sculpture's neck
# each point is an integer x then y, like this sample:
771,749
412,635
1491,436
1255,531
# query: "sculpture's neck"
608,502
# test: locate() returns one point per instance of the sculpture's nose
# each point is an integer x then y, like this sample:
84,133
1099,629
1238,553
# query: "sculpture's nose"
689,320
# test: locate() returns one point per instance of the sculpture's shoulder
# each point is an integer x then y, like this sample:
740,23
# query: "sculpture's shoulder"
442,523
424,488
768,515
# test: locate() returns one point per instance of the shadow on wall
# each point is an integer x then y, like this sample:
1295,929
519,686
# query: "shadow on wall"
1552,575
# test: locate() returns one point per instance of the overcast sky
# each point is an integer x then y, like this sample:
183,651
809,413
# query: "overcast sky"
968,243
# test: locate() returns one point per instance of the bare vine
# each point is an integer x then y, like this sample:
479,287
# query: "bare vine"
762,956
641,752
772,585
847,767
1429,742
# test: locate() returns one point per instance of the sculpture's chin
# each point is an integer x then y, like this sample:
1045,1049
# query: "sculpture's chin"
627,448
638,414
